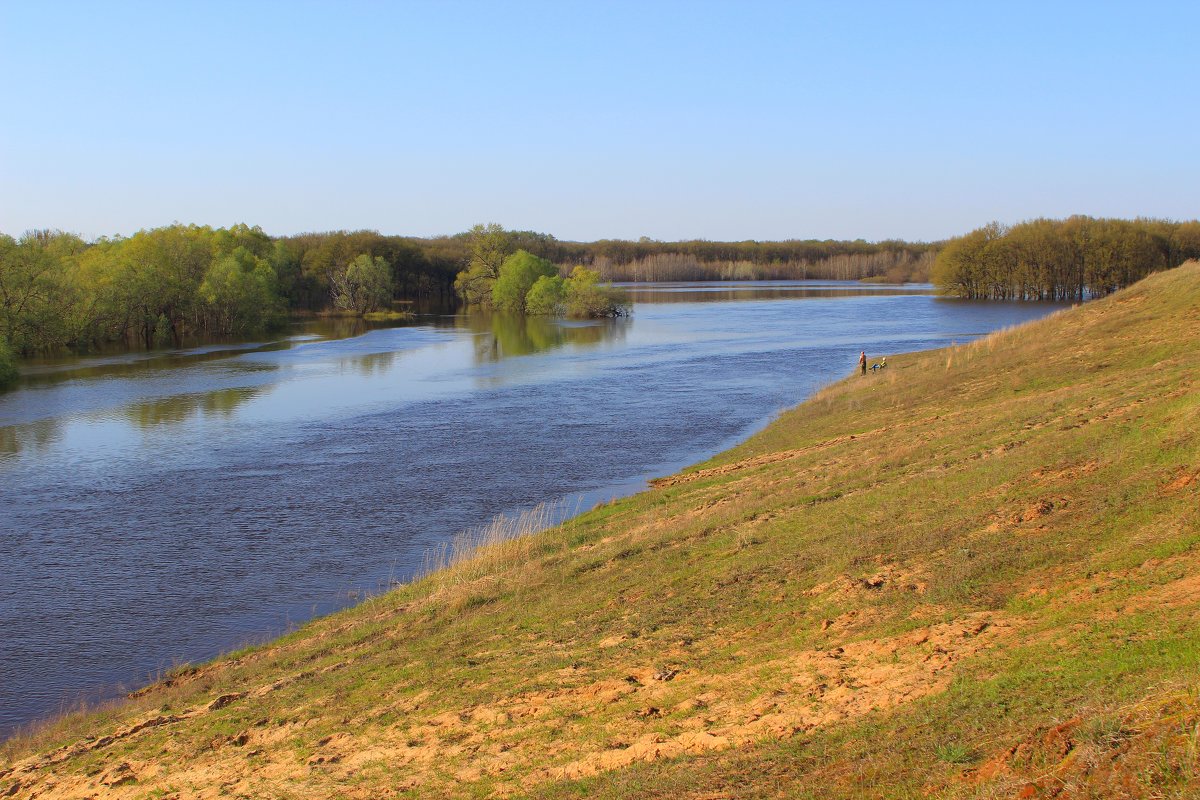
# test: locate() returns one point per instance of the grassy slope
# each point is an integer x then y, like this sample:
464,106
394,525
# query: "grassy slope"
974,575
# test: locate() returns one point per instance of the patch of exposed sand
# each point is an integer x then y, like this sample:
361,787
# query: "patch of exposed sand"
700,712
814,689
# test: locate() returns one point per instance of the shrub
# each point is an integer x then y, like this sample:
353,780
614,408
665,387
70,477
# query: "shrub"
587,297
517,275
546,296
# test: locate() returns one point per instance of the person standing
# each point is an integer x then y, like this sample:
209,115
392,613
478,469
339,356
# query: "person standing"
862,362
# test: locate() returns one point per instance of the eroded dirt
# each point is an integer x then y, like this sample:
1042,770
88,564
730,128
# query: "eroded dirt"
673,712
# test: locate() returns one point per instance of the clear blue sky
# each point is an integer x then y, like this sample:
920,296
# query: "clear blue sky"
735,120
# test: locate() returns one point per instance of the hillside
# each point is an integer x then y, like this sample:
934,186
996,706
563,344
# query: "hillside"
975,574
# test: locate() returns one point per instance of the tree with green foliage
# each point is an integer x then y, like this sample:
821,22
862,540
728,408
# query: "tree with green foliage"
239,291
963,265
1070,259
365,285
516,277
586,296
160,272
8,365
547,297
488,246
285,262
39,294
1185,242
161,285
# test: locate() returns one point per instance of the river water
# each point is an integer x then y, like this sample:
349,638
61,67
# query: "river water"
164,507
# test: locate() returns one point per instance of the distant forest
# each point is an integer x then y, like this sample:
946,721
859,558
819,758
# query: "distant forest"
646,260
160,286
1067,260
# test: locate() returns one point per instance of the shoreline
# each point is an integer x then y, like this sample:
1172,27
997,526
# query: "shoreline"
816,565
563,510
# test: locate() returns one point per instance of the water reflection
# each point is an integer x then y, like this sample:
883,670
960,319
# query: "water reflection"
49,371
36,436
505,335
218,404
116,361
345,327
371,364
502,336
725,291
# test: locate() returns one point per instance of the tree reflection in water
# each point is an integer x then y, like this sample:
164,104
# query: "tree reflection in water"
36,436
179,408
502,336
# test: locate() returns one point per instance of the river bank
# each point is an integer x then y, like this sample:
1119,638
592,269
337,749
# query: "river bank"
227,493
816,611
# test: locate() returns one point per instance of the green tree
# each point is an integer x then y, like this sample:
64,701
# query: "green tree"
1067,259
516,277
967,265
546,297
364,286
487,247
157,280
586,296
239,291
39,297
8,365
252,239
1185,242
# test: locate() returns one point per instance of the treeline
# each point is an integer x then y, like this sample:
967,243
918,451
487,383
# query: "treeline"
648,260
1065,260
164,285
160,286
421,269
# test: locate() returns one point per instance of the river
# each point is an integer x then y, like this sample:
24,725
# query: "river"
164,507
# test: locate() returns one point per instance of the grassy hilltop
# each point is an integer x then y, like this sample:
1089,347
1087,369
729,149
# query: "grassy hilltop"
975,575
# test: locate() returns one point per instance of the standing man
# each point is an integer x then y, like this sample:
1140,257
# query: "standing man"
862,361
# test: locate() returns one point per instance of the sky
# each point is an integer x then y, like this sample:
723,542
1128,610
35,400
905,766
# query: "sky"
589,120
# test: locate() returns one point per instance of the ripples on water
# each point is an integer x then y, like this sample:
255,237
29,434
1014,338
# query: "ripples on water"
165,507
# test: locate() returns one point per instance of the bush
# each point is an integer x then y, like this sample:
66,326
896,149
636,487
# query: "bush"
546,297
587,297
518,274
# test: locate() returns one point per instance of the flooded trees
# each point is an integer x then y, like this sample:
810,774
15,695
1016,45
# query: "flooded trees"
488,246
516,277
546,297
8,365
365,285
240,293
41,299
1064,260
502,277
527,284
586,296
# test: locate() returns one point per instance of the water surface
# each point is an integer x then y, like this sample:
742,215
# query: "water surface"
165,507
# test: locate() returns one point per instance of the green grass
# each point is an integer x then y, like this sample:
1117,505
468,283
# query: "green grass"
386,316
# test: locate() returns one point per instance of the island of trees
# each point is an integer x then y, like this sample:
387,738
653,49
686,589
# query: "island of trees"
498,278
161,286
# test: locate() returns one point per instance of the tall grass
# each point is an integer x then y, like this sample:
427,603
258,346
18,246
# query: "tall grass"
504,541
